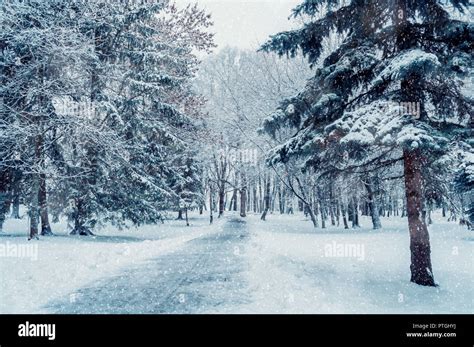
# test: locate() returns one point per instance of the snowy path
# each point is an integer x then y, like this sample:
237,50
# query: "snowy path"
236,266
202,276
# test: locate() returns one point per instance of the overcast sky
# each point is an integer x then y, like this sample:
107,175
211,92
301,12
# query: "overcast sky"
246,23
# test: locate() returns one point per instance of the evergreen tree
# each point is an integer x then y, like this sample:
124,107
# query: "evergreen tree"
41,54
96,105
464,184
141,93
390,92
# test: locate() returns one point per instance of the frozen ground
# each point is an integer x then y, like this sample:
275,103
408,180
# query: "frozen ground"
65,263
291,270
282,265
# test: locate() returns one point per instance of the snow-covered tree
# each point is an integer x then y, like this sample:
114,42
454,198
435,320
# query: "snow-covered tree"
241,87
42,53
141,92
97,101
389,93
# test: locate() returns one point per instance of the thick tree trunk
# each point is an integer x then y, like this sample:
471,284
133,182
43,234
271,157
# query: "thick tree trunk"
421,270
43,206
33,211
35,187
180,215
221,202
80,218
313,217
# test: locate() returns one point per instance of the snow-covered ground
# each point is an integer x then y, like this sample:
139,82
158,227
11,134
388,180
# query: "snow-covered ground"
296,269
57,266
282,265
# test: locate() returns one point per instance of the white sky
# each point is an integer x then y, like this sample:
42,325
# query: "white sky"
246,23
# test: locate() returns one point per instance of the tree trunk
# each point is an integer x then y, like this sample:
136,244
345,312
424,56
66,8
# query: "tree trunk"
186,214
272,201
233,201
43,206
374,210
429,220
266,200
350,210
243,197
355,213
313,217
4,203
80,218
344,219
255,200
211,205
33,212
16,194
221,201
16,207
35,186
322,210
331,214
421,270
180,215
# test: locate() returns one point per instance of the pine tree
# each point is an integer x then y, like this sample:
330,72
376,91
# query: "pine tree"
40,50
389,93
464,184
187,183
141,93
96,106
